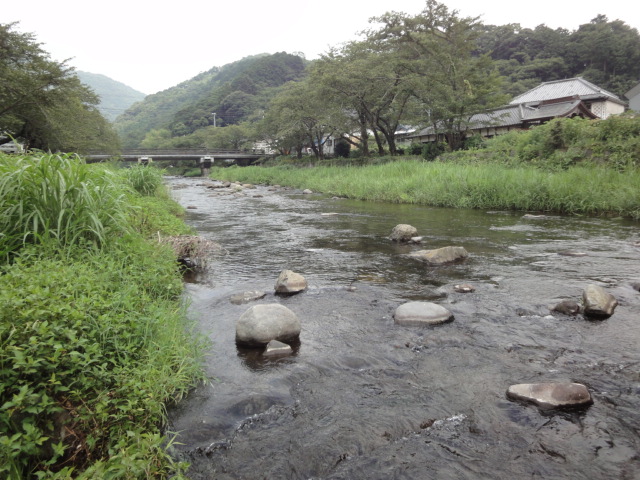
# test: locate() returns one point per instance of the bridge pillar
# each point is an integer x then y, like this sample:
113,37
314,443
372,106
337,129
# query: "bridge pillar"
205,165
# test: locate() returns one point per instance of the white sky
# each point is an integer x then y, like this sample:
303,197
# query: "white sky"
154,45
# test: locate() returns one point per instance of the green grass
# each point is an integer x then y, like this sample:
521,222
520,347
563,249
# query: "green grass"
94,338
588,189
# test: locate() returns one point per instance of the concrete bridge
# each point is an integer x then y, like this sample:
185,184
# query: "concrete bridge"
222,157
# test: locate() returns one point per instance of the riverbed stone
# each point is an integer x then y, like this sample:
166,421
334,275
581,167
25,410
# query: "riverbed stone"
263,323
403,233
598,303
306,191
412,314
290,282
464,288
442,255
277,349
551,395
567,307
246,297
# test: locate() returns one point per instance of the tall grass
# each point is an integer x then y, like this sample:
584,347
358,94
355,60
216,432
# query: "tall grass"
58,198
576,190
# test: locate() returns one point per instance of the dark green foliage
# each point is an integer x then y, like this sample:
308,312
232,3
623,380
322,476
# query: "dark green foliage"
605,52
431,151
342,148
43,104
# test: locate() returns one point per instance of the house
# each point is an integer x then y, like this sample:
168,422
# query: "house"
573,97
634,98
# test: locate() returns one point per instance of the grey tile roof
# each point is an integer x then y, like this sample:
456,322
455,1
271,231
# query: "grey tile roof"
565,88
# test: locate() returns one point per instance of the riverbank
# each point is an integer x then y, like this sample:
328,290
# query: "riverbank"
95,342
590,190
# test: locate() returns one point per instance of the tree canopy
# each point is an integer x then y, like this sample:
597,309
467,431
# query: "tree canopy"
43,103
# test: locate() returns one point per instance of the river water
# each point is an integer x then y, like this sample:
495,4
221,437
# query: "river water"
362,398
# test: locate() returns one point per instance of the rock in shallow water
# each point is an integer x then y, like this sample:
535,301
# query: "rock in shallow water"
421,313
246,297
276,349
403,233
262,323
290,282
551,395
441,256
597,302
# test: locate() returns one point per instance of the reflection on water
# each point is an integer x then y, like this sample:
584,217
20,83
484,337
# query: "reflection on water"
363,398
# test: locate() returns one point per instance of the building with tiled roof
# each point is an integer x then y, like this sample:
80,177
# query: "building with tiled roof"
558,99
634,98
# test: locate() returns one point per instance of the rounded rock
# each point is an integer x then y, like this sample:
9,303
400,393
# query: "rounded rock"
261,324
290,282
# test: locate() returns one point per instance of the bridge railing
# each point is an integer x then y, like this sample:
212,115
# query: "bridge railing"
150,152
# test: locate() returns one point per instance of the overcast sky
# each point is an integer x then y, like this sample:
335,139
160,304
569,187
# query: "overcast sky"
154,45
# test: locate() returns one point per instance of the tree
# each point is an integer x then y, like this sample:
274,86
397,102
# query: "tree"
450,83
43,103
300,115
368,80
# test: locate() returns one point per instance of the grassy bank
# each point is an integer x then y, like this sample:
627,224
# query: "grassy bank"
94,341
577,190
572,166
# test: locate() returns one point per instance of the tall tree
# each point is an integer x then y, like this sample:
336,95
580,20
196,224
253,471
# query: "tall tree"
450,82
42,102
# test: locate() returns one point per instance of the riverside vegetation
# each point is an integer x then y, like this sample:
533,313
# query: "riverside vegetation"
570,166
94,340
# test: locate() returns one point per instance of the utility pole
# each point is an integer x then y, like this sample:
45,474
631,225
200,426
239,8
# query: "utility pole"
214,118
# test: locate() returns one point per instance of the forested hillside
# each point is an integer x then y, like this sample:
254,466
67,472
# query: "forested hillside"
605,52
233,92
433,69
115,97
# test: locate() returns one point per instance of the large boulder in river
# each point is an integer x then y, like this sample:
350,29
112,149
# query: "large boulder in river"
421,313
263,323
551,395
597,302
290,282
403,233
441,256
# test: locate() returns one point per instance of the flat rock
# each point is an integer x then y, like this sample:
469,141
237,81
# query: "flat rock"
421,313
306,191
246,297
551,395
441,256
263,323
290,282
276,349
598,303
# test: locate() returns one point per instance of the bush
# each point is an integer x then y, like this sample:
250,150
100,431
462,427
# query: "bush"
342,148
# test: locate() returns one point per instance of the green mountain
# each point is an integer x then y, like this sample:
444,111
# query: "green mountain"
225,95
115,97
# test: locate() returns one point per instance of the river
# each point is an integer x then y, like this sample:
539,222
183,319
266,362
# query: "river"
363,398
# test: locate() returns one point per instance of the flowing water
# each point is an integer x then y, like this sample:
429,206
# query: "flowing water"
362,398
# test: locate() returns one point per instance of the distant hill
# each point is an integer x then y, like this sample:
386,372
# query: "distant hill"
234,92
115,97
